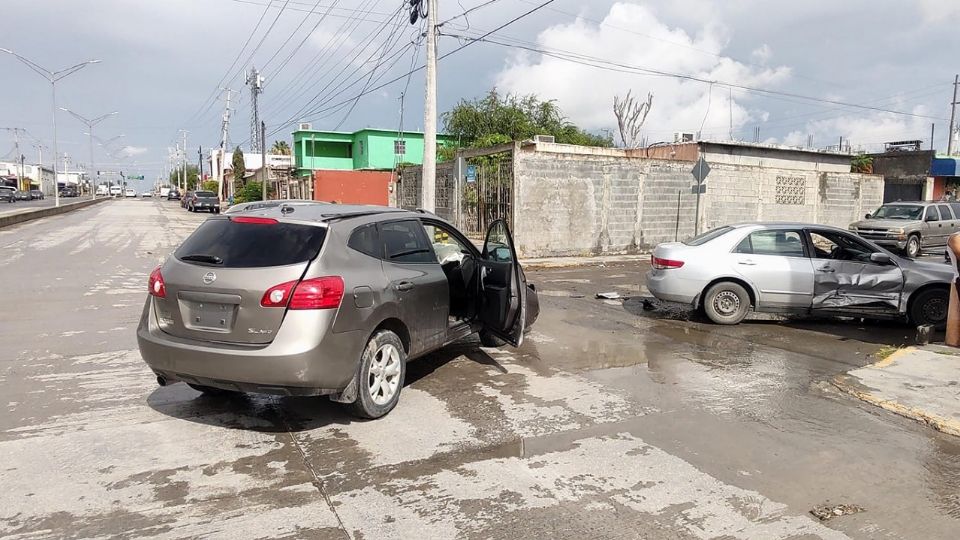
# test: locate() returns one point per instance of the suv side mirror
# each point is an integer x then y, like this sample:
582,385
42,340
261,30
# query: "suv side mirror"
880,258
867,216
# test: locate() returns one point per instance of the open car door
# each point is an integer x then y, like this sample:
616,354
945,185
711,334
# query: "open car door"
502,291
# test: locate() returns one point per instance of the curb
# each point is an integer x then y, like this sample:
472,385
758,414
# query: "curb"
939,423
22,217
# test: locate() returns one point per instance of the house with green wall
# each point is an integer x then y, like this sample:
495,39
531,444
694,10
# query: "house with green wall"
366,149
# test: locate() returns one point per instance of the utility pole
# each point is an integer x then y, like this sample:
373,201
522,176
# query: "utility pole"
429,177
263,162
221,169
177,165
16,144
200,164
40,164
255,81
953,112
183,159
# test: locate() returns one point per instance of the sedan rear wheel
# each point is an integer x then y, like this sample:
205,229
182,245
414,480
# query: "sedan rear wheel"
383,367
726,303
930,307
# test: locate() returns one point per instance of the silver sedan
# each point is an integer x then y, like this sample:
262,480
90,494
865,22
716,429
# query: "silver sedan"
797,268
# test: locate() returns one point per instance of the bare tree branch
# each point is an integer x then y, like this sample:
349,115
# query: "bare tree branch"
631,115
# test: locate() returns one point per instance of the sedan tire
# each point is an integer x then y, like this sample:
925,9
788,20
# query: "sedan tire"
726,303
930,307
383,367
912,249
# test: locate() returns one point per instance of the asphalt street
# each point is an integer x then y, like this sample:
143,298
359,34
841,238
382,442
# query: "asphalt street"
47,202
612,421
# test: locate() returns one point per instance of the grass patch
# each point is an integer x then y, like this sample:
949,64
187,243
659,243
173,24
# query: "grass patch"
884,352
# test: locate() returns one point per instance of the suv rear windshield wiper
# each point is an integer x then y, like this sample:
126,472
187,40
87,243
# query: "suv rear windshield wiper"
209,259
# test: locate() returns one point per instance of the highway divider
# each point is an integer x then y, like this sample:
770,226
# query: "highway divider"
7,220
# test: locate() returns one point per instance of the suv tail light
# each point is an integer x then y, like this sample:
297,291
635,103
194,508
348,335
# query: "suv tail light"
254,220
155,284
317,293
664,264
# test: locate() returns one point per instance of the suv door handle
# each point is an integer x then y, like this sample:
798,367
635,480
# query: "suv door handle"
404,286
826,269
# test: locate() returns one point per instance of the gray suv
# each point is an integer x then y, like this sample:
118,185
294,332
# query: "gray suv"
325,299
910,227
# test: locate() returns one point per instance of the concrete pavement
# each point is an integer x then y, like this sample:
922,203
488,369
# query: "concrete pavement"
610,421
922,383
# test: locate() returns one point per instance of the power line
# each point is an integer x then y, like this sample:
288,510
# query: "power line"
626,68
418,68
467,12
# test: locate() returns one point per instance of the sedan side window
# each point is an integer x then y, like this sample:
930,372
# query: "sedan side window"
782,243
839,247
405,242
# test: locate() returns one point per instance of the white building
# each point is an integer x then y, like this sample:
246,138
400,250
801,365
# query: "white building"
40,177
279,166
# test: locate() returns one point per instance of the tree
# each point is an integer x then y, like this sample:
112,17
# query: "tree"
861,163
210,185
251,191
631,114
280,148
192,177
239,166
511,118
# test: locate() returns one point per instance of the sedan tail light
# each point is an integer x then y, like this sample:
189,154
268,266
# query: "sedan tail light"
317,293
664,264
155,284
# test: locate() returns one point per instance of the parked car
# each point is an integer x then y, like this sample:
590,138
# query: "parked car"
23,195
8,194
36,194
325,299
173,195
187,195
797,268
69,192
910,227
206,201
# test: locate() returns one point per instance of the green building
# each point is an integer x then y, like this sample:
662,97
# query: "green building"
367,149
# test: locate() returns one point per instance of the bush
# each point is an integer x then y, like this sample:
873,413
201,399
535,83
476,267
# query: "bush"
211,185
251,191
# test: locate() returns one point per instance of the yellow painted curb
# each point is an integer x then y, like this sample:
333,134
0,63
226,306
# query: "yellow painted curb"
892,358
939,423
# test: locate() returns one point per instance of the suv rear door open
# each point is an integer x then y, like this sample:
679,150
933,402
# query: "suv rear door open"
502,291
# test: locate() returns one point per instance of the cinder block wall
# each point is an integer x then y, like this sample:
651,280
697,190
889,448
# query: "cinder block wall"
574,204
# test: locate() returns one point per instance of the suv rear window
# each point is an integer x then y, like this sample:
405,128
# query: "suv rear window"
228,244
205,194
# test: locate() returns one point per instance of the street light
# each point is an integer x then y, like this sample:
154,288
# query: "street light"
90,124
52,77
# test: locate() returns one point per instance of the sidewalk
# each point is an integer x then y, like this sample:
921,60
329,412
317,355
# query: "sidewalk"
922,383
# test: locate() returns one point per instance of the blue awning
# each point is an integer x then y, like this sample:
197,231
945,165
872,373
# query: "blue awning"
945,166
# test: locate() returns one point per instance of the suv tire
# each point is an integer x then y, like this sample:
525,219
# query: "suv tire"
912,249
726,303
930,307
383,367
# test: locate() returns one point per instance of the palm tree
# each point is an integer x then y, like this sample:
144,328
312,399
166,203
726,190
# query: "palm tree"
280,148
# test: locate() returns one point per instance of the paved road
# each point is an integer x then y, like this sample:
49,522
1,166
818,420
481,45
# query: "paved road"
610,422
48,202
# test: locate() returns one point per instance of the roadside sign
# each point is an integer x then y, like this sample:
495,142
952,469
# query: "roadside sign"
702,188
471,173
135,177
700,170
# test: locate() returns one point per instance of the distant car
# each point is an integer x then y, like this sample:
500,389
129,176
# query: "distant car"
116,191
910,227
206,201
23,195
8,194
147,194
36,194
187,195
797,268
103,190
130,192
69,192
173,195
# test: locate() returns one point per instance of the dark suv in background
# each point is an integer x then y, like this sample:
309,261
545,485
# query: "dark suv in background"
327,299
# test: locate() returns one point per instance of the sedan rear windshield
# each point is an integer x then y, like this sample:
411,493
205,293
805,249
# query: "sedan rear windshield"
703,238
228,244
899,211
205,194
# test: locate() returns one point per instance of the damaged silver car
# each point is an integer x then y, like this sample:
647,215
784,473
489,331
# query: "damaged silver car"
797,268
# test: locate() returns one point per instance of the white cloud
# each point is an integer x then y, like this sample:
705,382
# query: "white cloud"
940,10
867,131
762,54
585,93
131,151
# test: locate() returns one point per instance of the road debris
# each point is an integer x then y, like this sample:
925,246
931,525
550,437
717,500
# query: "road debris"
608,295
826,512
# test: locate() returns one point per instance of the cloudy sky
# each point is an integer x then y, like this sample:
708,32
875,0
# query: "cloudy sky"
722,68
